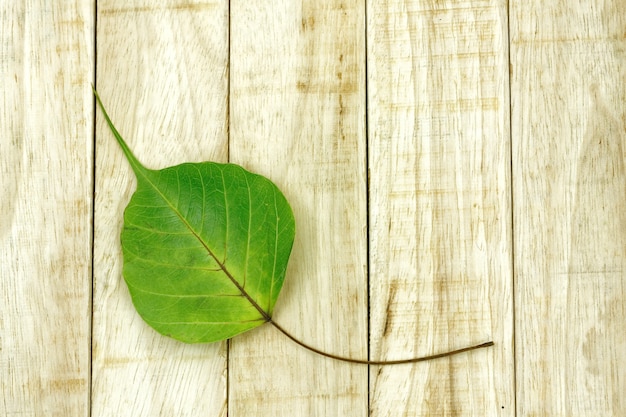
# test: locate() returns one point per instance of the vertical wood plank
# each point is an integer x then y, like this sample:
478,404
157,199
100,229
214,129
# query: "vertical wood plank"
46,64
162,73
440,215
569,130
297,116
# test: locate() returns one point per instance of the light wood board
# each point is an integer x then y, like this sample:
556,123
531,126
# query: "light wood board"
161,72
297,115
569,124
456,169
46,200
440,213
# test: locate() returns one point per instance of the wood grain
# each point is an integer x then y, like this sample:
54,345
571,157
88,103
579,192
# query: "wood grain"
162,75
286,97
46,181
297,116
569,125
440,229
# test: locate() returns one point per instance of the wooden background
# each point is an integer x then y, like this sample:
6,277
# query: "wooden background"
456,168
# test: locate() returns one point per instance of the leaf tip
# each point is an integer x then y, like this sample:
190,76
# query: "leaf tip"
134,162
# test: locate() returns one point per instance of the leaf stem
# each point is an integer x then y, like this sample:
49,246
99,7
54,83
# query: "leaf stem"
373,362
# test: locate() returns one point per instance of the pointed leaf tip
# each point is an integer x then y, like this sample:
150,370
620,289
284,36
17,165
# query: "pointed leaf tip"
137,167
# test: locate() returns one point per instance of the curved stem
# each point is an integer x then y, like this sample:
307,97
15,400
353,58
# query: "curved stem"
370,362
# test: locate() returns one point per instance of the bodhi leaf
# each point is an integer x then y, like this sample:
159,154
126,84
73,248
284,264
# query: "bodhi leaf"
205,247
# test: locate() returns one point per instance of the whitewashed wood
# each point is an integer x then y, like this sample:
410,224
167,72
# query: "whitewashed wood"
297,116
569,129
167,61
440,214
162,73
46,64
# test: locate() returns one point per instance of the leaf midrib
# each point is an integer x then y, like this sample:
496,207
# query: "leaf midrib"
145,174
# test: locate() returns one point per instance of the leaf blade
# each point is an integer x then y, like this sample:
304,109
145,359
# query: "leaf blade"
205,247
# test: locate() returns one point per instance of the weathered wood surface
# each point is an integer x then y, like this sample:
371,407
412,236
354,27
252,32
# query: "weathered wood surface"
440,213
568,94
46,200
162,73
297,115
445,193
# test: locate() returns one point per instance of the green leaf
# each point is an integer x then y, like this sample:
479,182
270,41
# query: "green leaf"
205,247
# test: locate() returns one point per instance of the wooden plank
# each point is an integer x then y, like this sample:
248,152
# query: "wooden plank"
297,116
46,182
162,72
440,214
569,130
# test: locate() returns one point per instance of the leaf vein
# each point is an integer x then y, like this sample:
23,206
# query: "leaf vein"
276,230
249,234
190,323
181,296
